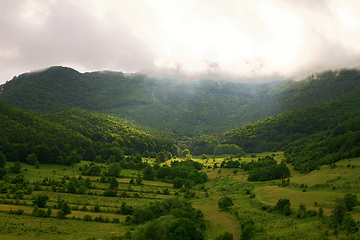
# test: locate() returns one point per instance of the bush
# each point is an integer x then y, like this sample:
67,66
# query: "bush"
225,203
87,218
264,207
40,200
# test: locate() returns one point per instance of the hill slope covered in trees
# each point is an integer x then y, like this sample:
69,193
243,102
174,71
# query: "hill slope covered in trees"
174,106
70,135
311,136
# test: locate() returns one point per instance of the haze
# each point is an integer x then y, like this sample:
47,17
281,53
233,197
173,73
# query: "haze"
251,38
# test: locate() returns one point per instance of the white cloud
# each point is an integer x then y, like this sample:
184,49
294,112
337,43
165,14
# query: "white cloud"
243,37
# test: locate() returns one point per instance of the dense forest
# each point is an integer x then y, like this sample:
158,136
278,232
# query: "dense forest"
70,135
315,121
172,106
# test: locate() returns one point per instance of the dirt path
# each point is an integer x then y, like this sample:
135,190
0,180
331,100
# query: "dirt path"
227,217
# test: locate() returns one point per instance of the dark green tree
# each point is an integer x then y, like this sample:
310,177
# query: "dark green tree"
113,183
40,200
2,160
225,236
64,209
350,201
16,168
178,182
225,203
31,159
114,170
148,173
184,229
339,213
281,204
350,225
248,229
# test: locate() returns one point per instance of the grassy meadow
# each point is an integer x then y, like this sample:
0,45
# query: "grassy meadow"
317,189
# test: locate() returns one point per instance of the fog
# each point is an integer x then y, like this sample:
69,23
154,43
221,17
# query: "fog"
232,39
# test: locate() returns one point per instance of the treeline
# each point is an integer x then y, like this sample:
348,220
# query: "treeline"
276,133
265,169
262,169
327,147
182,173
70,135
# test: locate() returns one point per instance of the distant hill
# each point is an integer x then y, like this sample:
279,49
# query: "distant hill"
312,136
174,106
70,135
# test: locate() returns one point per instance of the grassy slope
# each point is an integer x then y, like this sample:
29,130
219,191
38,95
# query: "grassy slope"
268,224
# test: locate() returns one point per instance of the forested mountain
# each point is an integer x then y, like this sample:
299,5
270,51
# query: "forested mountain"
70,135
174,106
311,136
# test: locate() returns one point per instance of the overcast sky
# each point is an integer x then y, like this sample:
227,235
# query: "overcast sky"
232,37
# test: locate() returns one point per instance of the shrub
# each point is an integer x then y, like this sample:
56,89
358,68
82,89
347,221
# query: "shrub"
40,200
264,207
225,203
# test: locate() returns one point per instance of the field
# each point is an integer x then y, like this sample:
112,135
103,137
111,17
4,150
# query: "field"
317,189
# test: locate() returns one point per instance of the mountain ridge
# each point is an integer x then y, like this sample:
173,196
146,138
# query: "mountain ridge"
179,108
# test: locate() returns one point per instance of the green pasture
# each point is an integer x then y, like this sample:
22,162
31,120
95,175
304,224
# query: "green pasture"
319,188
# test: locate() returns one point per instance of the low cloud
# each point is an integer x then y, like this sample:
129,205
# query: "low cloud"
234,39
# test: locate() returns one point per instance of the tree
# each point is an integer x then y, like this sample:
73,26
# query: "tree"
155,229
2,160
235,171
71,187
138,180
320,212
148,173
3,172
64,209
350,201
132,181
287,210
177,182
31,159
161,157
185,152
113,183
247,229
281,204
40,200
87,183
184,229
16,168
339,213
114,170
225,203
350,225
225,236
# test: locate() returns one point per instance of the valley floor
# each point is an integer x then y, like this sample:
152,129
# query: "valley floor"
318,189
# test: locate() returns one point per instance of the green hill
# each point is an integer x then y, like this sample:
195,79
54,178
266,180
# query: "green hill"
311,136
174,106
69,135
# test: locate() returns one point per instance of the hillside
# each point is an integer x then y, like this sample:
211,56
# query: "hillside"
311,136
70,135
174,106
